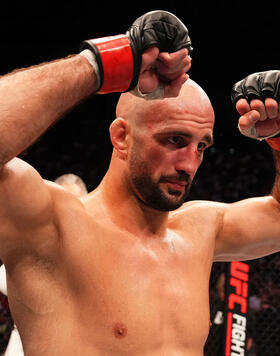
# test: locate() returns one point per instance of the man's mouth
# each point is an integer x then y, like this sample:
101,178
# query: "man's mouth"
176,184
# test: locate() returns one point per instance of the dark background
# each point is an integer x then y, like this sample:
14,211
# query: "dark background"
231,39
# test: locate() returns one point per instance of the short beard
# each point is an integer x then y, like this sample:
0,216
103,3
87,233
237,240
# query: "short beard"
150,193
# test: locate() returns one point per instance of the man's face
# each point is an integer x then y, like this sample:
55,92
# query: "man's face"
164,160
165,141
160,192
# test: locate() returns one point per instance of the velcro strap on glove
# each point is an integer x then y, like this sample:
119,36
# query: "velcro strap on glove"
115,61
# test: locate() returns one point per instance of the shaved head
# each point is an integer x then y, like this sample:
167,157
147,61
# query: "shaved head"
192,99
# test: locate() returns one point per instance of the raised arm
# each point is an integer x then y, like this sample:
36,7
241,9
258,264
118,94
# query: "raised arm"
251,228
152,58
33,99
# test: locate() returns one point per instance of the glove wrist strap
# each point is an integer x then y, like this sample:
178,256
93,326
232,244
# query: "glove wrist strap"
115,62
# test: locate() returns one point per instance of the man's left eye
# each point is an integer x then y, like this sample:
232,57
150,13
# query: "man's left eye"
201,146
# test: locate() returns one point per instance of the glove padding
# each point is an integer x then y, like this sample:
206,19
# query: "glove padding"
155,28
259,86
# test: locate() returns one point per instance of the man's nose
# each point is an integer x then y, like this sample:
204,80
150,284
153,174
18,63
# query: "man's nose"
187,160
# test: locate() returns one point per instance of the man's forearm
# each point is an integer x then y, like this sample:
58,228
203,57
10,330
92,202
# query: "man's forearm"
32,99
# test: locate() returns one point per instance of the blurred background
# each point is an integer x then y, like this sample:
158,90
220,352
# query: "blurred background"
231,39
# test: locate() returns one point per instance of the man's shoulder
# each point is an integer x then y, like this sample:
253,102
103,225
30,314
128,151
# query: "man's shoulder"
200,206
198,212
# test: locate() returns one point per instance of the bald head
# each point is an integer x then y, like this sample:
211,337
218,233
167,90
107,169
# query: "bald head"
192,99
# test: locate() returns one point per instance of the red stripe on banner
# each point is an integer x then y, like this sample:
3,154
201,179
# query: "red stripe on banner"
228,335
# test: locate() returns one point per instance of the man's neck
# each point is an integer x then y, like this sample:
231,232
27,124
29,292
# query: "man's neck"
129,213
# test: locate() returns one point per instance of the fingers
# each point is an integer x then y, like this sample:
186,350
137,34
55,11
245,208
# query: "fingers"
258,112
148,81
268,109
169,68
173,88
172,65
167,64
248,116
272,108
148,58
242,106
260,108
248,120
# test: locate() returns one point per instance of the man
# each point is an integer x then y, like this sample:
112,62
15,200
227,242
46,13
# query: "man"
128,266
74,185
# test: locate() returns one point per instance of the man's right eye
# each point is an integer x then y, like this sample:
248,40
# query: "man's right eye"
176,140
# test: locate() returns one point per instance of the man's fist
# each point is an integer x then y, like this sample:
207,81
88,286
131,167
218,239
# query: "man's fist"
155,49
256,99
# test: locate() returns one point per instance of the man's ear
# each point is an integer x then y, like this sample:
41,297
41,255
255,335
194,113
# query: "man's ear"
119,133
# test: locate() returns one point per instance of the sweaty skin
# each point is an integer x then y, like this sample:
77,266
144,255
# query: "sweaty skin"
113,273
109,275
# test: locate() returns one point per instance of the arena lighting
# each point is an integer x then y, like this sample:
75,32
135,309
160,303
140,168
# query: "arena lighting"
236,308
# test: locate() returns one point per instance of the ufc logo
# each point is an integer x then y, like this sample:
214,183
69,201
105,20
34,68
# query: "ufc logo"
239,281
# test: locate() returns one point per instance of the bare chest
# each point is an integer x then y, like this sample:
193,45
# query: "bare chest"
129,291
118,294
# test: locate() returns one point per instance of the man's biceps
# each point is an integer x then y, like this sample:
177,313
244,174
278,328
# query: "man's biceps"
231,230
250,220
23,193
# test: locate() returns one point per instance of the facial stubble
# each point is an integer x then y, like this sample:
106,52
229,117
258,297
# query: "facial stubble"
150,193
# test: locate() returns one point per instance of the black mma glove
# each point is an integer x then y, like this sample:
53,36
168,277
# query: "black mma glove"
260,86
117,59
